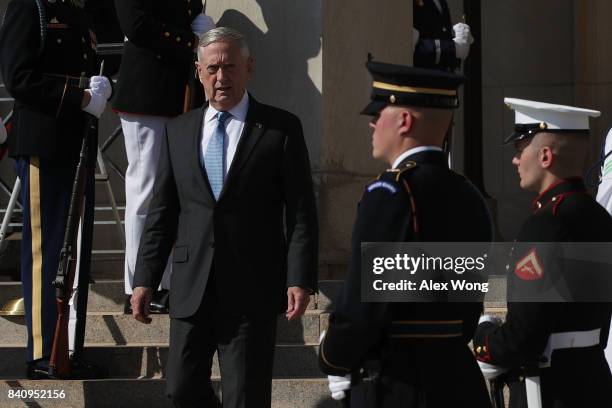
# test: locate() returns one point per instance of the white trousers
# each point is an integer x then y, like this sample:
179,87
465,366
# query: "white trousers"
143,135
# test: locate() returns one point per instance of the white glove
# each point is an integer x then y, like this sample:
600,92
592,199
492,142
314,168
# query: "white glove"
489,371
337,385
463,39
488,318
96,104
101,85
201,24
415,37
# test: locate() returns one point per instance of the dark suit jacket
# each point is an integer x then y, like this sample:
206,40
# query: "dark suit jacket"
261,235
158,56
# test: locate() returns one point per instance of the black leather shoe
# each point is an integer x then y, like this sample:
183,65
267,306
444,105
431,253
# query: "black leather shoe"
39,370
83,370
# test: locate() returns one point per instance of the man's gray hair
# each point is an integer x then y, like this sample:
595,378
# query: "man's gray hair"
224,34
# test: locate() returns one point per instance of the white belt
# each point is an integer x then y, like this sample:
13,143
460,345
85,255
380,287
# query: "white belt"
558,341
568,340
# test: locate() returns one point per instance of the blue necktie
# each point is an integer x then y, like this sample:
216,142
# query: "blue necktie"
214,159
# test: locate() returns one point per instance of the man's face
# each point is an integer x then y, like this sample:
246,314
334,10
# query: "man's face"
527,162
224,73
385,136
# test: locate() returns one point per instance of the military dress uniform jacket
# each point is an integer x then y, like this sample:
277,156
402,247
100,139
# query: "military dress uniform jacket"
433,25
157,57
421,200
43,77
577,377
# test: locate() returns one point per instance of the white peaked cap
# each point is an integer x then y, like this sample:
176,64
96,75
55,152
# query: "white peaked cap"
553,116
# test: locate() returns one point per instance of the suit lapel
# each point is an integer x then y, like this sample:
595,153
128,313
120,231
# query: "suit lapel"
252,132
194,127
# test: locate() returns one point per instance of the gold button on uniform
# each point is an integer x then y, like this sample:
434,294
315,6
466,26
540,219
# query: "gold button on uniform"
189,12
189,44
59,40
178,39
84,56
166,34
478,349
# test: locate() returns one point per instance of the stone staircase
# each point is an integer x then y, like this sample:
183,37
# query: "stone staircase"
136,353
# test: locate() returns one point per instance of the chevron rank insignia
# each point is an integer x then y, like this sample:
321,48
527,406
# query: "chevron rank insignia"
530,267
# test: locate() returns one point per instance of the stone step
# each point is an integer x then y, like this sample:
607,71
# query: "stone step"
109,295
286,393
114,328
149,361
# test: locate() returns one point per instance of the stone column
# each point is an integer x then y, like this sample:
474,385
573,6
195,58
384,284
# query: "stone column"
592,61
351,29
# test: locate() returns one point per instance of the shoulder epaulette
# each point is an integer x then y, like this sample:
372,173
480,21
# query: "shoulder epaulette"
397,173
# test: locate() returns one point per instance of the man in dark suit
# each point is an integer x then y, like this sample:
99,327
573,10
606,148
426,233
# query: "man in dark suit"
420,350
234,197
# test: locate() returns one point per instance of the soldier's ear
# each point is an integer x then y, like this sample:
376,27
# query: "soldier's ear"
406,122
546,157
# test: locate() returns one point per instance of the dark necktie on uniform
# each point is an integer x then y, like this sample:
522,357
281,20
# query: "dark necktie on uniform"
214,159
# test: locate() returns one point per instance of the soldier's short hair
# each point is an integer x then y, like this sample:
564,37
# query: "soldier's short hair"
225,34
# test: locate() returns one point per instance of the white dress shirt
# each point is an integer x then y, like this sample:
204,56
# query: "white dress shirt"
415,150
233,130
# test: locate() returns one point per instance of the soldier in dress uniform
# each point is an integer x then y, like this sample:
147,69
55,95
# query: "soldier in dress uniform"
45,47
438,44
551,354
160,42
422,348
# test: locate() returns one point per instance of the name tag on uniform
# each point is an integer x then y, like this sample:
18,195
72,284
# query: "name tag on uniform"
382,184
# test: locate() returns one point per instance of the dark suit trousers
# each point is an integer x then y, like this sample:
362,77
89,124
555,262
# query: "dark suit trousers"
245,346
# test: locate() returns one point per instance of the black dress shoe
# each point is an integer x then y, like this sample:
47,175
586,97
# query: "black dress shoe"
39,370
83,370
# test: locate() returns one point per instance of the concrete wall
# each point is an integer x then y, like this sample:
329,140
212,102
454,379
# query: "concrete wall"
592,62
351,29
527,53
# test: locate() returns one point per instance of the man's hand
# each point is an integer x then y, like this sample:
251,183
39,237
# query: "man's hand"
96,104
141,298
463,39
297,301
101,85
201,24
338,385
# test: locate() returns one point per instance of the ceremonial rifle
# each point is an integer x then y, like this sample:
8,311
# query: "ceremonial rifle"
59,364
